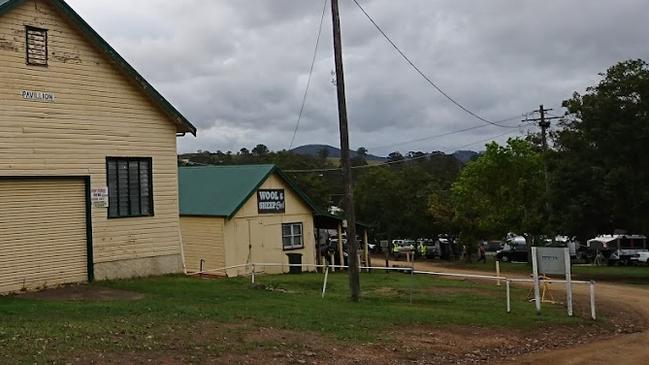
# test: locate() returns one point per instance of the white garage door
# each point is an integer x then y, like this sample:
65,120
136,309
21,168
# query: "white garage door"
42,233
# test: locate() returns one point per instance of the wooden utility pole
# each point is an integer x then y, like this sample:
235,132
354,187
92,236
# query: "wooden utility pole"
345,159
544,124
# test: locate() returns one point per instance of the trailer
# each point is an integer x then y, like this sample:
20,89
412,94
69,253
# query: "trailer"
619,248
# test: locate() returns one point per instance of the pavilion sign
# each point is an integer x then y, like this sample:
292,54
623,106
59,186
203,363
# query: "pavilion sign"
41,96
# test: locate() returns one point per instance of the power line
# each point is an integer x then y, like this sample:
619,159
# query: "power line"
485,140
308,82
335,169
421,73
449,133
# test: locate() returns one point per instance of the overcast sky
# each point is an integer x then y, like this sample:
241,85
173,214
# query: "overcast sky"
238,68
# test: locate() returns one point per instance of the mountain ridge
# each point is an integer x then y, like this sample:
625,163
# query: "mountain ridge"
463,156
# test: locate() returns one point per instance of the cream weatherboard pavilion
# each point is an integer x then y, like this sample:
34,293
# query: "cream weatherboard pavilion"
88,171
233,215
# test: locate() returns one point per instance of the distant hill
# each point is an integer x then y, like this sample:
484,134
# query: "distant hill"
314,150
333,152
464,156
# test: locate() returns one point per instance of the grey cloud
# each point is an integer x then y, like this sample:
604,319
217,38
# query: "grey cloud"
237,69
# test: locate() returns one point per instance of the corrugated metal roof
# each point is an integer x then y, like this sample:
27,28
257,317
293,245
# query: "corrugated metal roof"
220,191
183,123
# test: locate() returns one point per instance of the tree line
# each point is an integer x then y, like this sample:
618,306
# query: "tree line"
597,169
593,178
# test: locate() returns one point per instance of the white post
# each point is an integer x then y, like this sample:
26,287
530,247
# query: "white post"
568,281
412,282
535,274
593,315
324,285
498,272
366,249
509,302
341,252
253,273
332,257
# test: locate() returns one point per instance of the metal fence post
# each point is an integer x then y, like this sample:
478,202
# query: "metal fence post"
253,273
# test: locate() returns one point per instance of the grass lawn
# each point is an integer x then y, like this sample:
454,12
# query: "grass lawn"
626,274
176,310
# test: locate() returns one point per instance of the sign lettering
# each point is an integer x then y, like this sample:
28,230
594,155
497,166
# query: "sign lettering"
99,197
42,96
551,260
271,201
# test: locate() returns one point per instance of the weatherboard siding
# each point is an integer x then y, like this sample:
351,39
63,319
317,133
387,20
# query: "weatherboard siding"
96,113
253,237
203,240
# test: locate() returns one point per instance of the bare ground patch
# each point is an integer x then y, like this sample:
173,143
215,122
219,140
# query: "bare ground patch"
82,293
244,343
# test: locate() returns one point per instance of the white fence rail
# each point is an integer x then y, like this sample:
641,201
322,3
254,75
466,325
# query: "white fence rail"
253,273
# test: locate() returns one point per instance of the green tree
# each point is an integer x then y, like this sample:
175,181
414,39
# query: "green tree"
360,157
378,201
441,211
395,156
600,171
501,191
260,150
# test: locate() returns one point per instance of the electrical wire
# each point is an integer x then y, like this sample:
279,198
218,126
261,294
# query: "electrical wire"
523,124
308,82
422,74
485,140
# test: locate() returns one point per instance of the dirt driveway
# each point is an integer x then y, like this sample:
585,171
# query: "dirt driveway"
630,349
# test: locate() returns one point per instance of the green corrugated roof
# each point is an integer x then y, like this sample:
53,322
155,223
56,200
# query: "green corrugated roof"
183,124
221,190
218,190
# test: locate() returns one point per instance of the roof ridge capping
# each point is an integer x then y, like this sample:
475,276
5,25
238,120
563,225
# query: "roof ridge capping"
183,124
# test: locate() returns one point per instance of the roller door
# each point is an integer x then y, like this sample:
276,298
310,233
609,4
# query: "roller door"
43,240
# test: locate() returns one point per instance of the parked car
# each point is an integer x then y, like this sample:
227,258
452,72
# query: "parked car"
513,253
399,247
428,248
494,246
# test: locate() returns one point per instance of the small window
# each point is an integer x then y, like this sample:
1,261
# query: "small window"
130,189
292,236
36,46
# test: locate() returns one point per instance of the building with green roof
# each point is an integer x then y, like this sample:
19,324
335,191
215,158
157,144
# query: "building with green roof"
234,215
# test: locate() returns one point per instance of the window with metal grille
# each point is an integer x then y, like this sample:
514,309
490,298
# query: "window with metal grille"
292,236
36,46
130,188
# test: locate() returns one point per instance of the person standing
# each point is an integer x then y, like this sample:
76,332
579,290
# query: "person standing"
482,254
